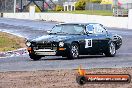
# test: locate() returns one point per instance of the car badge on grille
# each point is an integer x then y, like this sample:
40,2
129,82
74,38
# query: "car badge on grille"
53,44
46,42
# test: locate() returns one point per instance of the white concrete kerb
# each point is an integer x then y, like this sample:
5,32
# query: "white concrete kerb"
130,19
108,21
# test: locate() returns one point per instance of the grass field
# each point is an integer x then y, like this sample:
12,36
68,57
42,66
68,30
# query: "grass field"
10,42
88,12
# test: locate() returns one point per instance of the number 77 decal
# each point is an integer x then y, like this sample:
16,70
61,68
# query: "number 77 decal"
88,43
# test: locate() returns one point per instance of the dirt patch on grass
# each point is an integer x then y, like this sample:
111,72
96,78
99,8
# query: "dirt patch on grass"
10,42
57,79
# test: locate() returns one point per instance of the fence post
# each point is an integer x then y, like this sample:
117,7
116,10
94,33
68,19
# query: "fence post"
1,14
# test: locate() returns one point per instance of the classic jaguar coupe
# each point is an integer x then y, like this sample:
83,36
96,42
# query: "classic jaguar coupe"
74,39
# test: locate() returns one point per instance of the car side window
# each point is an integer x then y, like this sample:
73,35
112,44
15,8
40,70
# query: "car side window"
90,28
98,29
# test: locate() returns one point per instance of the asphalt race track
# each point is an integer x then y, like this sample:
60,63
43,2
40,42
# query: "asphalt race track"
33,29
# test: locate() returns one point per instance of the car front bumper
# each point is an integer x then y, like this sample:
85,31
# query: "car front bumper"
45,52
48,52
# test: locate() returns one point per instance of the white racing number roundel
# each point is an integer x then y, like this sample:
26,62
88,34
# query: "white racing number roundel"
88,43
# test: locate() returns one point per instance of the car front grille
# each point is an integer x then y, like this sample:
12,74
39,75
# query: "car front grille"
46,46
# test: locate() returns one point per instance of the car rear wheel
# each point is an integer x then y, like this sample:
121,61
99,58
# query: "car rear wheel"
111,51
35,57
74,51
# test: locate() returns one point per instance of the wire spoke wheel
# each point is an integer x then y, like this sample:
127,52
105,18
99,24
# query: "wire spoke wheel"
112,49
74,51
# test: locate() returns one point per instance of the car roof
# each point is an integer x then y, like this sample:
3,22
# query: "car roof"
84,24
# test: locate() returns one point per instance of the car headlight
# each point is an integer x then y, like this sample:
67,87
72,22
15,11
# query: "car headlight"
28,44
61,44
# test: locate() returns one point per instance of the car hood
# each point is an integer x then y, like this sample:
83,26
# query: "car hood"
55,38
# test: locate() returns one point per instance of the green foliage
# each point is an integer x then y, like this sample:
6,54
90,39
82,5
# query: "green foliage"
89,12
37,9
59,8
96,1
80,5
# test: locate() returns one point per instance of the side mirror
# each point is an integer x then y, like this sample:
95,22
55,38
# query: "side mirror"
90,32
48,31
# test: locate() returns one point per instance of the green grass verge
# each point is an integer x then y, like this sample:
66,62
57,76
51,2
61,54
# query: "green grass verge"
10,42
88,12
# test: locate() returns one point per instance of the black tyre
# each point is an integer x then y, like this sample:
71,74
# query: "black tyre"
81,80
111,50
35,57
74,51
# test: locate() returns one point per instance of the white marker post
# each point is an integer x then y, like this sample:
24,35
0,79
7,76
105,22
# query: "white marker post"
14,6
130,19
32,12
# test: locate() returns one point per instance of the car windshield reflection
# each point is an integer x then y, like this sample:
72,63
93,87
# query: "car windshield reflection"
67,29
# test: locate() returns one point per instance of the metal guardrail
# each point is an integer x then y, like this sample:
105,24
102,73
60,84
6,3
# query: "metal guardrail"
120,12
97,6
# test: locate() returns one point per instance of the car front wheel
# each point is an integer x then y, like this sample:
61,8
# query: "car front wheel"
74,51
111,50
35,57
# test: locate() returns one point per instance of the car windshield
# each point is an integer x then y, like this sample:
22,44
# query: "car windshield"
67,29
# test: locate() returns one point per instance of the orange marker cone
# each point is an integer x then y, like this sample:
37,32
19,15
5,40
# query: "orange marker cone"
82,72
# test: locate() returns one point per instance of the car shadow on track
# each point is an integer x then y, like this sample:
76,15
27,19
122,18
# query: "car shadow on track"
81,57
